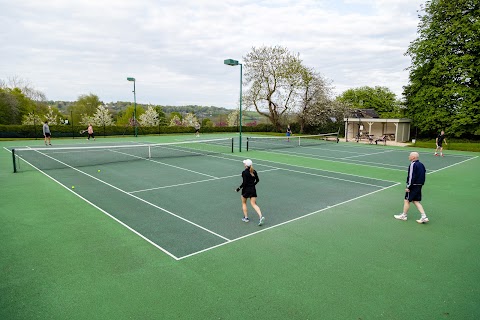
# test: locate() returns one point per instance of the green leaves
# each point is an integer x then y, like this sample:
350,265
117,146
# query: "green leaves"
443,92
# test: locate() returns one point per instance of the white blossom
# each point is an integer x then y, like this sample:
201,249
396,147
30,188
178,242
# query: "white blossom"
149,118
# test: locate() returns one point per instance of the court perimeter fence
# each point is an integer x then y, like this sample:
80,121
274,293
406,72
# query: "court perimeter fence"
65,131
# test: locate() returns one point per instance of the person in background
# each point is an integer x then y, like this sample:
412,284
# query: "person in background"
46,133
439,142
90,132
250,179
197,129
413,191
289,132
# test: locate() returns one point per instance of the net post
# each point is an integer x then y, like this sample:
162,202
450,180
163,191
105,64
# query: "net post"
149,152
232,145
247,142
299,140
14,163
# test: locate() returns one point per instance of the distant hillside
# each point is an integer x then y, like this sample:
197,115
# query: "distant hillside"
118,106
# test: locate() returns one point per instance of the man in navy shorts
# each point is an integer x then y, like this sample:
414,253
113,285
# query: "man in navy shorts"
413,191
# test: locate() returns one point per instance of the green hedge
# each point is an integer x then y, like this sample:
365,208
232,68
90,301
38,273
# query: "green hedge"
31,132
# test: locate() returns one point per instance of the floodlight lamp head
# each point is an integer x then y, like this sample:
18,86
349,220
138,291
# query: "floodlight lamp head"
231,62
130,79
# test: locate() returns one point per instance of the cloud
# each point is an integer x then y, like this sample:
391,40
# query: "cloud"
175,49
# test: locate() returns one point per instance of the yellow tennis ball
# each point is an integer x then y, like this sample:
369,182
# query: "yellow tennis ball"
73,187
98,170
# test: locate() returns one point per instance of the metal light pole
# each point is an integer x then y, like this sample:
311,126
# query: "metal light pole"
231,62
135,105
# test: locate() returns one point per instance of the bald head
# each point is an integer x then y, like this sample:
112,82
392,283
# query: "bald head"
413,156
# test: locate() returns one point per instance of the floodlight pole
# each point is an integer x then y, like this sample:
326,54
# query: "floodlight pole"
232,62
135,105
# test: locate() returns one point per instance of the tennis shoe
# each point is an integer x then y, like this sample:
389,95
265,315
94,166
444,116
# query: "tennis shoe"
245,219
401,216
262,220
423,220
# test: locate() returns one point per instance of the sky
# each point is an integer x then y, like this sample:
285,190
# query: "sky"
175,49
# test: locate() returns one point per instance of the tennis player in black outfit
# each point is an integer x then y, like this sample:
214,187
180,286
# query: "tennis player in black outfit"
439,142
250,179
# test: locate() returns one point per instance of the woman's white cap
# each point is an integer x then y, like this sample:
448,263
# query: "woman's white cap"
248,162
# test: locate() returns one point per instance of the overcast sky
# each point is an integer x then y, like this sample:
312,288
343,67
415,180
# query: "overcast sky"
175,49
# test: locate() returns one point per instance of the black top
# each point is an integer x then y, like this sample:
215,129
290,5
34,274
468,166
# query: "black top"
249,181
440,138
416,173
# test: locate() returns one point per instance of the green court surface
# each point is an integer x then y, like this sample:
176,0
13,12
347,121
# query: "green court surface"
162,238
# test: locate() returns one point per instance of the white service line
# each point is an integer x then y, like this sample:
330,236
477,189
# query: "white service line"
163,163
105,212
318,175
199,181
285,222
367,154
138,198
452,165
303,167
323,158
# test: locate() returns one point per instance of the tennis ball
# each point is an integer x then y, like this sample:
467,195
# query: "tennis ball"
73,187
98,170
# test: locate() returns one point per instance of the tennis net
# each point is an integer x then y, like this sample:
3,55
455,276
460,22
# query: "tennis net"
265,143
46,158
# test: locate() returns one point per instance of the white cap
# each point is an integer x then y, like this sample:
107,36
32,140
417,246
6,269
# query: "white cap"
247,162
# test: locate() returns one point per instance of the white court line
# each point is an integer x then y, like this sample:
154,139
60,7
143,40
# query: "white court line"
166,164
286,222
138,198
296,171
313,174
367,154
303,167
451,165
199,181
324,158
357,162
334,178
105,212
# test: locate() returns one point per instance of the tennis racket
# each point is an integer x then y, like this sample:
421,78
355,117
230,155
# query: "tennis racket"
82,131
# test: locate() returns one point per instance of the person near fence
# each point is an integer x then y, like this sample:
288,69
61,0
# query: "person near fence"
413,191
289,132
249,181
90,132
197,129
46,133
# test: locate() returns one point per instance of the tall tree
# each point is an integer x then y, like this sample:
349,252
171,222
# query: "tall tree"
17,99
127,116
313,95
14,105
381,99
272,74
85,106
444,87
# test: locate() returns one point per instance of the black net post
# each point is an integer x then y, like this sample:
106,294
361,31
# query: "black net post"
247,143
14,163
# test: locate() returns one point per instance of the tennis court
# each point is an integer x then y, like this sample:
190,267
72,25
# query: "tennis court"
378,156
180,198
160,236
